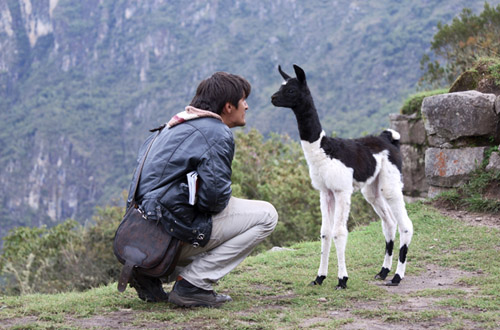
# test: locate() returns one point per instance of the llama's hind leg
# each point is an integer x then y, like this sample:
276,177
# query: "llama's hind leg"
389,229
373,195
397,205
327,205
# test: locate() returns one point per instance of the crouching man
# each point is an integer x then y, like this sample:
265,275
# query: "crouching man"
219,230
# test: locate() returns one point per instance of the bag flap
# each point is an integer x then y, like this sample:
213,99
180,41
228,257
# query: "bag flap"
140,241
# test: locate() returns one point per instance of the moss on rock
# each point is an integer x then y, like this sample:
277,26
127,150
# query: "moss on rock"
413,103
484,77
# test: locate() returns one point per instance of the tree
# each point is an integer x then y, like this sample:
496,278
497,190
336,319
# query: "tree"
459,45
65,257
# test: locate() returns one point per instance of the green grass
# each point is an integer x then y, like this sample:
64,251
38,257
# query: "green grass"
270,289
470,196
413,103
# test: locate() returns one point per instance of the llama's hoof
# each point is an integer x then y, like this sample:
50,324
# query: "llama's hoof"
318,281
382,274
342,283
395,281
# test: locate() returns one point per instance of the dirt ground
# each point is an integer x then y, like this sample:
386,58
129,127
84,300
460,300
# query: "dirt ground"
474,218
435,277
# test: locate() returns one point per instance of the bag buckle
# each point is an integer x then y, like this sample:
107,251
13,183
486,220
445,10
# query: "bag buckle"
144,216
158,214
196,245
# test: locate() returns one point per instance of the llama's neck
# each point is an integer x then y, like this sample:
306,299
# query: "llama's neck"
308,121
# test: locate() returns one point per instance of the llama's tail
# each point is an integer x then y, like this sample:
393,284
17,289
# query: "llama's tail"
392,136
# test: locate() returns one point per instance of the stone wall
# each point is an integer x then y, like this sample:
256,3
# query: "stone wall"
413,145
450,140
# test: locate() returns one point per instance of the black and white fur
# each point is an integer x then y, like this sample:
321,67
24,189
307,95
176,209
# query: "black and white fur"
337,168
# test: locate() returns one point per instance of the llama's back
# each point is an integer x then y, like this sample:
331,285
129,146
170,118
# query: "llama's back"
358,154
387,140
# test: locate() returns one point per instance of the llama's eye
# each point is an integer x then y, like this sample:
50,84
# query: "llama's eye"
290,91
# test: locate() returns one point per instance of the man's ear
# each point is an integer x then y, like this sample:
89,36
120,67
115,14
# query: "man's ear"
228,108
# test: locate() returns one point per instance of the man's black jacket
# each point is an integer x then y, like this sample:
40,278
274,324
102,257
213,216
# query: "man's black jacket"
204,145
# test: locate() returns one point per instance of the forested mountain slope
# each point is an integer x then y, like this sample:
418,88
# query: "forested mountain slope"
82,81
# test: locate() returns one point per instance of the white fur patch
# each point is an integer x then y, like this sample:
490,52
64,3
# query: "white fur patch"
395,134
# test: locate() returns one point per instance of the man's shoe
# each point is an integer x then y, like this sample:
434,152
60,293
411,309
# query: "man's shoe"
149,289
185,294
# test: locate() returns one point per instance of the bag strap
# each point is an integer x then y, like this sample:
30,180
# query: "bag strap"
139,171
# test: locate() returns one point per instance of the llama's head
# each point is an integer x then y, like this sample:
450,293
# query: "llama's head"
293,92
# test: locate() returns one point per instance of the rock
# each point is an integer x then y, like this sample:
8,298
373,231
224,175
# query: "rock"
494,163
411,129
466,81
451,167
480,78
279,248
434,191
413,170
448,117
413,137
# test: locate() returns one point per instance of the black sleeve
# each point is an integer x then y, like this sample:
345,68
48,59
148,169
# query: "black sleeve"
214,175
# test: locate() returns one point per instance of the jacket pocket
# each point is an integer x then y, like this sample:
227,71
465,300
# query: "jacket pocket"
197,233
176,201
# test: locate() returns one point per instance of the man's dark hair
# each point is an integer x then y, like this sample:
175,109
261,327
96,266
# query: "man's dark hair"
214,92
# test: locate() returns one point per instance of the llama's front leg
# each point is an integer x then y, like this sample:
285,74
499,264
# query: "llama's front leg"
327,200
342,207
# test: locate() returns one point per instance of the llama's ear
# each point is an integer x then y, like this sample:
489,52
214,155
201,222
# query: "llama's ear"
301,76
284,75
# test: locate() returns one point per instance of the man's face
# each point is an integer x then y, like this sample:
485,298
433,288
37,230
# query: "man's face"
235,116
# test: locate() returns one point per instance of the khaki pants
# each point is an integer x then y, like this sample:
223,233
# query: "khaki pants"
235,232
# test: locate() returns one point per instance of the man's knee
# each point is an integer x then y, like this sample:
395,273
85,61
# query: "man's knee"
271,216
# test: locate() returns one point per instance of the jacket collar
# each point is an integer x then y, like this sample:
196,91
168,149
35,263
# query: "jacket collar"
191,113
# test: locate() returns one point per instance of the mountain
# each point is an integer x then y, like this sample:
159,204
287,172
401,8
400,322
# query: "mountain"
82,81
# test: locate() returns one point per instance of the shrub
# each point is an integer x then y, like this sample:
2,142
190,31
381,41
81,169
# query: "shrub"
458,45
65,257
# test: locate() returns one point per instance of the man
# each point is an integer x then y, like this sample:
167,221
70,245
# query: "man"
219,230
